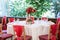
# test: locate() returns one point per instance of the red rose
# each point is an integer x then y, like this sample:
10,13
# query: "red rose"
30,10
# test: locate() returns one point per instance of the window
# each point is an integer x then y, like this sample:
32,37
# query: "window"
3,8
17,8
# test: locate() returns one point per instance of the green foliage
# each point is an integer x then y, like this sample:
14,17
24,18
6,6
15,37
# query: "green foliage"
18,8
56,4
40,5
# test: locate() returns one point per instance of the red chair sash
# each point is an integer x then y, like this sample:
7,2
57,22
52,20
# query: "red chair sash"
11,19
18,29
4,27
44,18
54,29
4,20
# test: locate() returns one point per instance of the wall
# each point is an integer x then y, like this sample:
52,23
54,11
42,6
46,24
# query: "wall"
21,19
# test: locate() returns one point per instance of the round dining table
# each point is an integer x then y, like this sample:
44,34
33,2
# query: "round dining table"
39,27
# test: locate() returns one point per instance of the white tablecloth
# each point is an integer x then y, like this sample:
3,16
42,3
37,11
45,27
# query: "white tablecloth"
34,30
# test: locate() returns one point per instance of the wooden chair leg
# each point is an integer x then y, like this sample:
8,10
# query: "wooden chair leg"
12,38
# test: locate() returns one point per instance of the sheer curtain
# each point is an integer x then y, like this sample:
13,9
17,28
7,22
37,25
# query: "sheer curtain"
3,8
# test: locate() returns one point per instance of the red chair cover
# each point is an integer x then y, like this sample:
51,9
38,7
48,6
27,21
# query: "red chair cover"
18,29
59,30
44,18
53,29
4,27
4,20
57,22
11,19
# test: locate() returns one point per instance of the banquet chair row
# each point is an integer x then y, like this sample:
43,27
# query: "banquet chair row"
20,33
4,22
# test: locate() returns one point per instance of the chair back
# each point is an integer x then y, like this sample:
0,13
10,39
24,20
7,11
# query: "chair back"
11,19
4,20
53,32
54,29
19,29
58,31
0,28
44,18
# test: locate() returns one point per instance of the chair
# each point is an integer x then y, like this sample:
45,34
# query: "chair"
58,31
3,34
4,22
44,18
11,19
52,33
1,30
20,33
58,22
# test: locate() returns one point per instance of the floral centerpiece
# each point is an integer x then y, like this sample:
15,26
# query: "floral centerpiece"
29,10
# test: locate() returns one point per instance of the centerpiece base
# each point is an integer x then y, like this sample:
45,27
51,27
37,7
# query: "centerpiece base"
28,21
